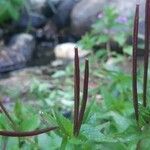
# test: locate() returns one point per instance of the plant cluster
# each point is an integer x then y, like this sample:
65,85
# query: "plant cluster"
109,28
111,123
10,10
67,129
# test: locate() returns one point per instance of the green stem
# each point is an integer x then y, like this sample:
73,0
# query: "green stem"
64,143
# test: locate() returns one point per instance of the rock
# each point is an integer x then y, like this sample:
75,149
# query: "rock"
129,5
43,55
44,7
17,53
51,8
23,43
66,51
62,15
56,2
37,5
19,82
85,12
32,19
48,32
57,63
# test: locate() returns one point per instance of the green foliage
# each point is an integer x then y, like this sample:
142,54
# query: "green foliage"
32,120
109,124
10,9
109,27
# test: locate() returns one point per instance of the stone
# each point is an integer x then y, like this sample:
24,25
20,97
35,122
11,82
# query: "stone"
66,51
85,12
48,32
17,53
19,82
45,7
37,5
31,19
62,15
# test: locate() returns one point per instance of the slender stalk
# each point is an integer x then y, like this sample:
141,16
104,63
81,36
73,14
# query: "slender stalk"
28,133
85,93
76,91
134,70
146,53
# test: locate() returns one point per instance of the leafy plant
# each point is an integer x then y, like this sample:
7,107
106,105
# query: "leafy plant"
110,123
10,10
109,27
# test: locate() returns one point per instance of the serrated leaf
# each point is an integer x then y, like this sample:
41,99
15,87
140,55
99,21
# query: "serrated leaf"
91,133
65,125
31,122
121,122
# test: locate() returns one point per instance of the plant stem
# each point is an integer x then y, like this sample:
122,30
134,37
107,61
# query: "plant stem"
8,116
63,143
146,53
26,133
85,93
134,70
76,91
13,124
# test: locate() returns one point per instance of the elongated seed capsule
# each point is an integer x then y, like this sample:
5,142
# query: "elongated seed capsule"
134,70
85,93
146,52
76,90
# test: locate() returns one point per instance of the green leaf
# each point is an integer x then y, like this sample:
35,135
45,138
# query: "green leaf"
31,122
75,141
91,133
17,3
10,10
120,38
102,39
65,125
59,74
19,110
121,122
128,50
13,144
4,122
47,142
87,41
14,14
88,111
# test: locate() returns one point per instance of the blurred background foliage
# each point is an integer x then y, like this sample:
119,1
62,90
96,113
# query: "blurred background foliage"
40,96
10,10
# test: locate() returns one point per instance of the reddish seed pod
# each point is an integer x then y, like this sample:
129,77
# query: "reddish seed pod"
134,70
